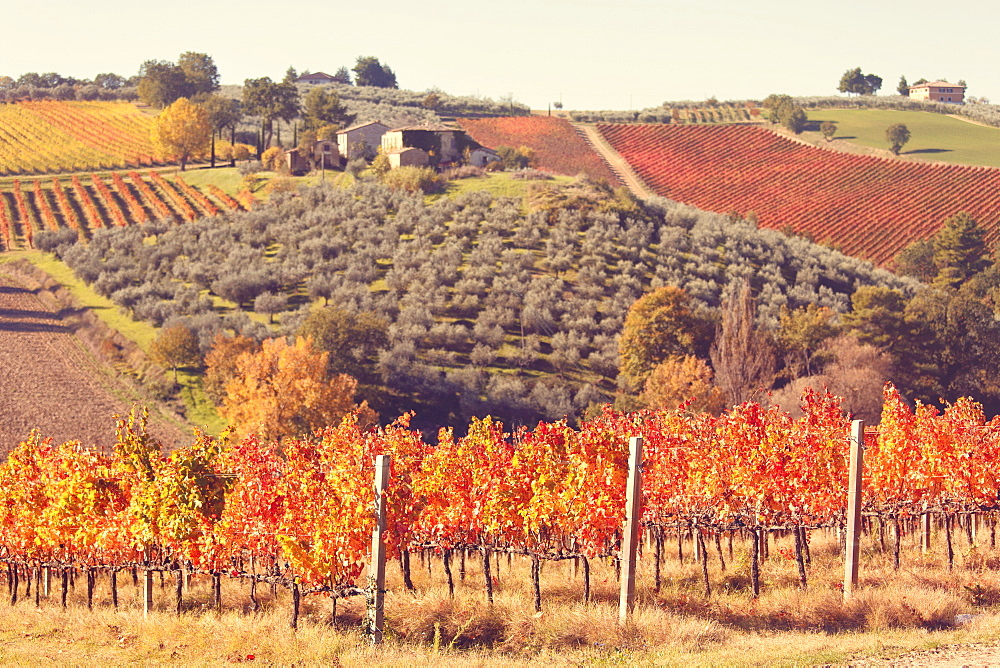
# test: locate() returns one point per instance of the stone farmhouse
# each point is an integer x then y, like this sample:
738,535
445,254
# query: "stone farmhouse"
939,91
325,156
442,144
361,140
407,157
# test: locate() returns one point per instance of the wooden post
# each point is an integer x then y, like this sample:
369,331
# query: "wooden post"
376,571
147,592
925,532
854,507
630,535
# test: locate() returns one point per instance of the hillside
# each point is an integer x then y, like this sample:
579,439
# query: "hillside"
933,137
46,137
870,207
490,309
80,206
557,146
50,381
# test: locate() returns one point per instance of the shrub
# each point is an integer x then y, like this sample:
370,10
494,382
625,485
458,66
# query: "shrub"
463,172
531,175
273,159
415,179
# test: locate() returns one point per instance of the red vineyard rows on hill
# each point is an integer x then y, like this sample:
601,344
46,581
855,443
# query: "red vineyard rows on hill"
870,207
558,148
85,208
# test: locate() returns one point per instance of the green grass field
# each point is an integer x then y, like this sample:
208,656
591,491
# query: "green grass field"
933,137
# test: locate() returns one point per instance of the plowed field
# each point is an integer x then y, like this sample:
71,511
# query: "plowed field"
49,381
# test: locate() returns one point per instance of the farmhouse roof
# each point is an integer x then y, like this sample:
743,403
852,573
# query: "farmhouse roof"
358,126
426,128
315,75
405,149
937,84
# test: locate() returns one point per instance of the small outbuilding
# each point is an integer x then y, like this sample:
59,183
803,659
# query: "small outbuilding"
407,157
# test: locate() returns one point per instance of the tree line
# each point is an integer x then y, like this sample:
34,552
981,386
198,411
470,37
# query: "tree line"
935,343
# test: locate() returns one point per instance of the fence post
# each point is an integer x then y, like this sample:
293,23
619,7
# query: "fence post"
925,531
854,507
376,571
630,536
147,592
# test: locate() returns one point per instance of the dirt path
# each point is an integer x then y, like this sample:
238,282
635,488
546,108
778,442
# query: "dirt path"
49,381
618,164
954,656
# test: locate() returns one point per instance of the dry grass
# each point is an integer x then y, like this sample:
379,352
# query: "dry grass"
894,612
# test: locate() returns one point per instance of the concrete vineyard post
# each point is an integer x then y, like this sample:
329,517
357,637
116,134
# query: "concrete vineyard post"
147,592
630,535
376,574
857,444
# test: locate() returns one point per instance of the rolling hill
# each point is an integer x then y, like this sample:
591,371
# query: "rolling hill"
868,206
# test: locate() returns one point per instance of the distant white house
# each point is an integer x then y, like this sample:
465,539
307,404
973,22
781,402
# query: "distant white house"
939,91
315,79
361,140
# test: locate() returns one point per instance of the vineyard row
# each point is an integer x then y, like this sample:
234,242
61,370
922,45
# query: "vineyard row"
47,137
300,513
88,204
870,207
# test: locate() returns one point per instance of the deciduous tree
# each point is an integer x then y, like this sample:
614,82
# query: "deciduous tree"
855,82
916,260
175,347
353,340
659,325
828,128
323,107
183,130
220,363
897,135
223,113
743,354
682,378
284,390
200,73
161,83
270,101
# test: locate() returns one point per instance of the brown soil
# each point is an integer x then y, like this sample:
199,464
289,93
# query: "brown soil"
618,164
48,380
954,656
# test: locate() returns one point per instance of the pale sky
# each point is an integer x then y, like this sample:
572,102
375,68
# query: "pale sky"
593,54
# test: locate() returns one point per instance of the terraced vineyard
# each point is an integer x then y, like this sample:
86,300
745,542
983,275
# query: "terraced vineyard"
44,137
557,145
92,202
870,207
